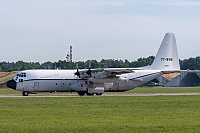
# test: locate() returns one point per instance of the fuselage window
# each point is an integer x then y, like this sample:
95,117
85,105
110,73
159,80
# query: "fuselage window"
20,80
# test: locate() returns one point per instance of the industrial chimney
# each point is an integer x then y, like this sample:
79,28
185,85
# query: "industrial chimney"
70,56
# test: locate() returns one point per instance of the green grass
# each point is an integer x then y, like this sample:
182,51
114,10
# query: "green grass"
102,114
8,91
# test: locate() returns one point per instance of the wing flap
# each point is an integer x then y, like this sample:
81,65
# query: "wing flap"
108,72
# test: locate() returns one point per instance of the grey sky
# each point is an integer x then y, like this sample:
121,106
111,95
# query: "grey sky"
43,30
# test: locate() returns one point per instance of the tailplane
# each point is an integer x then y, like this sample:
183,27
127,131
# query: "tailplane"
167,56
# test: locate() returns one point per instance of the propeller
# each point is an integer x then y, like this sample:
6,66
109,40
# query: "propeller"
77,71
89,72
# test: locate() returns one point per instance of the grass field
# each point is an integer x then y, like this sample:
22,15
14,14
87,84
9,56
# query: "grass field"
102,114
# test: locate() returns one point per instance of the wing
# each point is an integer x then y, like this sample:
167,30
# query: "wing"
113,72
118,71
175,71
107,72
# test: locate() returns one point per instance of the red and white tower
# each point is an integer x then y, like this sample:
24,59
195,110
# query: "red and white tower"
70,55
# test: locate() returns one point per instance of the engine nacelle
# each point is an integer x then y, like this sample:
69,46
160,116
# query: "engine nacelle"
101,74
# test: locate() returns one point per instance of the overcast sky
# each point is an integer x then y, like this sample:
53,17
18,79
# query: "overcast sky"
43,30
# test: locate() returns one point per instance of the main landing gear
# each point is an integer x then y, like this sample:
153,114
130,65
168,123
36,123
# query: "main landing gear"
82,93
25,93
98,94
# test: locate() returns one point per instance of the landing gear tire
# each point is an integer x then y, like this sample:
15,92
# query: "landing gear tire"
98,94
81,93
90,94
25,93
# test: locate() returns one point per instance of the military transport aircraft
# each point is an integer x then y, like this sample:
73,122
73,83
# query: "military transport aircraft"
96,81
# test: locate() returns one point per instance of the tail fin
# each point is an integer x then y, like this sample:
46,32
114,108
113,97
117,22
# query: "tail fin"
167,56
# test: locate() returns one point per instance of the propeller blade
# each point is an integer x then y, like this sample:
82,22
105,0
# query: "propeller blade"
77,71
89,64
89,72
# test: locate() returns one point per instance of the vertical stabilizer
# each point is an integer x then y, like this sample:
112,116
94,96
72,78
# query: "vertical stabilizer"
167,56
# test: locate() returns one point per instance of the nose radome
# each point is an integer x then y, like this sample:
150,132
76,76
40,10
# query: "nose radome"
11,84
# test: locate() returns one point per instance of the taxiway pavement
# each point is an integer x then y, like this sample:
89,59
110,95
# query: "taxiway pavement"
104,95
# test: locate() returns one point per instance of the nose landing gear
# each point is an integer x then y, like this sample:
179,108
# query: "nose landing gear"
25,93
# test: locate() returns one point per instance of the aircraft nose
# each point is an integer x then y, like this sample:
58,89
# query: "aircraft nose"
11,84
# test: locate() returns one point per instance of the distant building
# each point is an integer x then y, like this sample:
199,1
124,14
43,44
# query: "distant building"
161,80
190,78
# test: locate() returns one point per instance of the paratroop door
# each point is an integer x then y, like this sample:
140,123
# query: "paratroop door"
36,86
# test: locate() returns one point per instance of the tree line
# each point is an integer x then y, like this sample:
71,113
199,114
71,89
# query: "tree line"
191,63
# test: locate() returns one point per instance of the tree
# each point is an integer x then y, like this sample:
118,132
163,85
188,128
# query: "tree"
191,63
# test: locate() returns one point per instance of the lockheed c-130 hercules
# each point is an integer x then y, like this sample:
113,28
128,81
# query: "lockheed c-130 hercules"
97,81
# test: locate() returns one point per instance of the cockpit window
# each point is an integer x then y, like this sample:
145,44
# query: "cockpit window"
22,75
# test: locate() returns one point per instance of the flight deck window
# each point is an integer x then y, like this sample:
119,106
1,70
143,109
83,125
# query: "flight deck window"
23,75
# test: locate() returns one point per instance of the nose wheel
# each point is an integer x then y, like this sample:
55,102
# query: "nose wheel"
25,93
